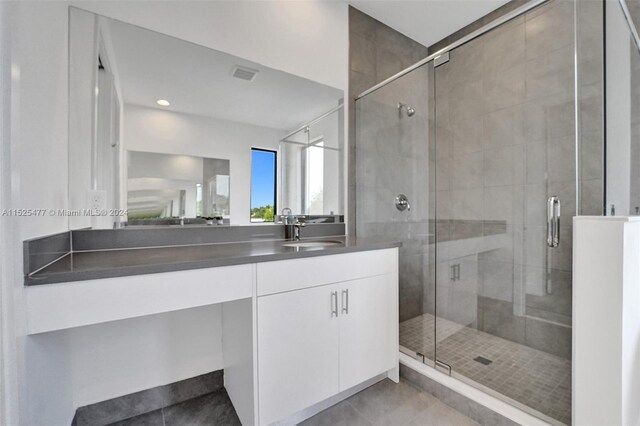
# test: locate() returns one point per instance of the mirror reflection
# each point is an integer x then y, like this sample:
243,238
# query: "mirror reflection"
176,133
167,186
310,159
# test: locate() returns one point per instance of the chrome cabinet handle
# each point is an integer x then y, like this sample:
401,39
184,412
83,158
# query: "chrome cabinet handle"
345,305
553,221
334,304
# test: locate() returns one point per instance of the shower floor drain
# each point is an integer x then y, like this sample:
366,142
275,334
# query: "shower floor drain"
483,360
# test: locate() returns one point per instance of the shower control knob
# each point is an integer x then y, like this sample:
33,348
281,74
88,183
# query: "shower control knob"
402,203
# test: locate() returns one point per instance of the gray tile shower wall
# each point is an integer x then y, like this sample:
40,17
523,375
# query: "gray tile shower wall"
539,330
376,52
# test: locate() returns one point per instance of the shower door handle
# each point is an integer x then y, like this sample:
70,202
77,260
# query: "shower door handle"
553,221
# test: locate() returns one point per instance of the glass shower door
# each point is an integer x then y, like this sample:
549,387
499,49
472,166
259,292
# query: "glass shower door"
505,139
477,165
394,169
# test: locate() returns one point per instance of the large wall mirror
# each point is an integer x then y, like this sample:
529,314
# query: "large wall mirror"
169,132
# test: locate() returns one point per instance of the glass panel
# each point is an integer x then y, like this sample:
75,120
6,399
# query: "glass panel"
393,158
590,73
324,194
292,155
496,127
312,168
215,188
506,143
634,91
314,178
623,108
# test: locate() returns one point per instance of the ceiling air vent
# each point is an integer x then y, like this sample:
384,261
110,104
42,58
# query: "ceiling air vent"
244,73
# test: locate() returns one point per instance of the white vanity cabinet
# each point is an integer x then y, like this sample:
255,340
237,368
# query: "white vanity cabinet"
295,335
369,330
298,351
323,329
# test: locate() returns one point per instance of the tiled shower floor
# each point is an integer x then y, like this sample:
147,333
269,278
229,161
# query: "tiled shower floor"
535,378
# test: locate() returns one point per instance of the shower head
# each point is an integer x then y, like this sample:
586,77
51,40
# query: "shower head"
410,110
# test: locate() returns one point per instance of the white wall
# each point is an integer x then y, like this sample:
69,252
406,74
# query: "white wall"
9,238
39,131
309,39
167,132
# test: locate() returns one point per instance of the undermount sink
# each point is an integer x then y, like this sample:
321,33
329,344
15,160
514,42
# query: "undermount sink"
312,244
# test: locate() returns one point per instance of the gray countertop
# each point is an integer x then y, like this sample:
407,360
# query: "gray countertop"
88,265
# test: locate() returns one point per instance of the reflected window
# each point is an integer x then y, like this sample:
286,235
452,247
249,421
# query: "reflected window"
198,200
263,184
314,178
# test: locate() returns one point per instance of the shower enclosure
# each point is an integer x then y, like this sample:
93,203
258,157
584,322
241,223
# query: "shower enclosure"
485,141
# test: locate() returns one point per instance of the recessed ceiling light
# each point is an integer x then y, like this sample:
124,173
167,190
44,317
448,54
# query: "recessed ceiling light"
163,102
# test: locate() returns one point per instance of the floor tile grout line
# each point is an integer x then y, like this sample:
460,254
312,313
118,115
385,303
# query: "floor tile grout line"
436,401
358,411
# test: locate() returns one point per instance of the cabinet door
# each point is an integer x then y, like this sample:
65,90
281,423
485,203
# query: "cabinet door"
368,328
298,351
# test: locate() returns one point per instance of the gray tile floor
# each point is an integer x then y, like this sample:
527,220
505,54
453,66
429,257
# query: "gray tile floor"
210,409
385,403
390,404
534,378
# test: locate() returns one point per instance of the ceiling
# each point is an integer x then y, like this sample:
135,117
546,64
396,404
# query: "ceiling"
426,21
198,80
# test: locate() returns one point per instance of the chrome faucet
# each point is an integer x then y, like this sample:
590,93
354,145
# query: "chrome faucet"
291,224
296,229
287,216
